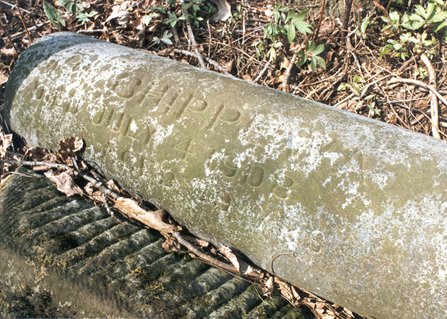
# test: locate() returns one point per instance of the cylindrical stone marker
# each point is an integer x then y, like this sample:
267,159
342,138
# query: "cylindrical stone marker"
349,208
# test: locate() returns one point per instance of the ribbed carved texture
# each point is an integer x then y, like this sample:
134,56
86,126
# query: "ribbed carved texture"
121,264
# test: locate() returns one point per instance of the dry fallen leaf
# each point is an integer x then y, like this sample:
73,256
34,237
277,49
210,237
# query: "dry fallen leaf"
171,245
152,219
223,10
269,287
94,194
71,146
64,183
121,13
3,78
111,184
5,143
252,272
8,51
228,253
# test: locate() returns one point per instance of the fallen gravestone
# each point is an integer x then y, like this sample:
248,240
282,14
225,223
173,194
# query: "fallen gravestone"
348,208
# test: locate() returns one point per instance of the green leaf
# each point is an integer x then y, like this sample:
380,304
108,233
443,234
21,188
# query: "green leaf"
397,46
439,16
291,32
313,63
430,10
441,26
439,2
405,37
321,62
413,22
70,5
270,31
303,27
166,39
53,15
421,11
394,17
84,17
271,54
301,58
297,16
146,20
319,49
364,25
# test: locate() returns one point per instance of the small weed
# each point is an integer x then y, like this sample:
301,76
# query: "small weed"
287,28
73,8
418,31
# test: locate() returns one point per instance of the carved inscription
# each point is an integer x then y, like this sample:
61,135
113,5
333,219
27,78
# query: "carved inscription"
134,136
184,147
171,104
223,114
251,175
282,191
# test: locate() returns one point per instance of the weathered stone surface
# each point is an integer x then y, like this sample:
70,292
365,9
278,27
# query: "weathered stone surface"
63,257
346,207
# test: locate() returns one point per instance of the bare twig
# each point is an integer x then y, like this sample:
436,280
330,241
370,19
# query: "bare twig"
346,17
380,7
285,83
192,39
21,33
176,37
203,256
24,24
320,19
13,5
264,69
36,163
434,107
91,31
9,38
216,65
421,84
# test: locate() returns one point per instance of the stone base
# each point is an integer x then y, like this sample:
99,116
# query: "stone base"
64,257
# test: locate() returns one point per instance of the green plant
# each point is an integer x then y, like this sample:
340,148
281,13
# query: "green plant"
192,10
416,31
290,28
361,32
355,85
53,15
165,38
74,8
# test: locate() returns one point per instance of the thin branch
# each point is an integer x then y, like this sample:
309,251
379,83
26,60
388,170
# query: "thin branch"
21,33
418,83
434,107
214,63
264,69
285,83
9,38
192,39
13,6
346,17
198,253
320,19
24,24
